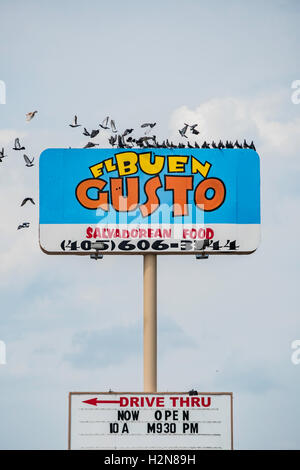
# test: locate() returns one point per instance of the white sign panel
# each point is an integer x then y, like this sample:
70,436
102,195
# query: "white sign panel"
150,421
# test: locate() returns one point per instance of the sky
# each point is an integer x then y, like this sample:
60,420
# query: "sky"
224,324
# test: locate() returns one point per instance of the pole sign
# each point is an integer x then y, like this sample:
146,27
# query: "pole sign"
150,421
136,201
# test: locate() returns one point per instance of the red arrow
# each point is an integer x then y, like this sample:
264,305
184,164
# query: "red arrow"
94,401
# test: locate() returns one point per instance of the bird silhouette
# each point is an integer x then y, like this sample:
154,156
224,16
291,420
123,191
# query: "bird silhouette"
90,145
2,154
104,123
30,116
237,145
205,145
75,123
113,126
194,130
27,199
182,131
23,225
18,145
28,162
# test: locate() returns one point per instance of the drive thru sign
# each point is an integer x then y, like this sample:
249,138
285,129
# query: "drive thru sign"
150,421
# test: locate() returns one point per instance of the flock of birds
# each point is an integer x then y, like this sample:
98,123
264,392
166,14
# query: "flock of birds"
28,163
126,140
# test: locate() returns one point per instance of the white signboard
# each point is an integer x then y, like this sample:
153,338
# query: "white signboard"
150,421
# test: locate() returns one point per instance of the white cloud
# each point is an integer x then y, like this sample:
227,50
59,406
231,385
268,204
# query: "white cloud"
238,118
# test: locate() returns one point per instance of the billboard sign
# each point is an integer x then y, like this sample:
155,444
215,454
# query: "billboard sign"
150,421
136,201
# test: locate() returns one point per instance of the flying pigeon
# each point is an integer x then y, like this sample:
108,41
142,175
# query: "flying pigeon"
126,132
94,133
2,154
149,124
113,126
104,124
89,145
23,225
26,200
30,116
18,145
182,131
112,140
74,124
193,129
28,161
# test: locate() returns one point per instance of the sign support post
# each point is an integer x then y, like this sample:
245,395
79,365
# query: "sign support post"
150,323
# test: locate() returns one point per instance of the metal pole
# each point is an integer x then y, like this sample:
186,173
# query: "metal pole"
150,323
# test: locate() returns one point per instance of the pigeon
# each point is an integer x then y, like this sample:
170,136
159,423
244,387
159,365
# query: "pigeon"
246,146
30,116
183,131
205,145
23,225
89,145
149,124
194,130
104,124
126,132
18,145
2,154
121,142
112,140
193,392
252,146
113,126
26,200
94,133
74,124
237,145
221,145
196,145
229,145
28,161
214,145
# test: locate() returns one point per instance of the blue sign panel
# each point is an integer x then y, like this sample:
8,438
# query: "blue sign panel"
133,200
